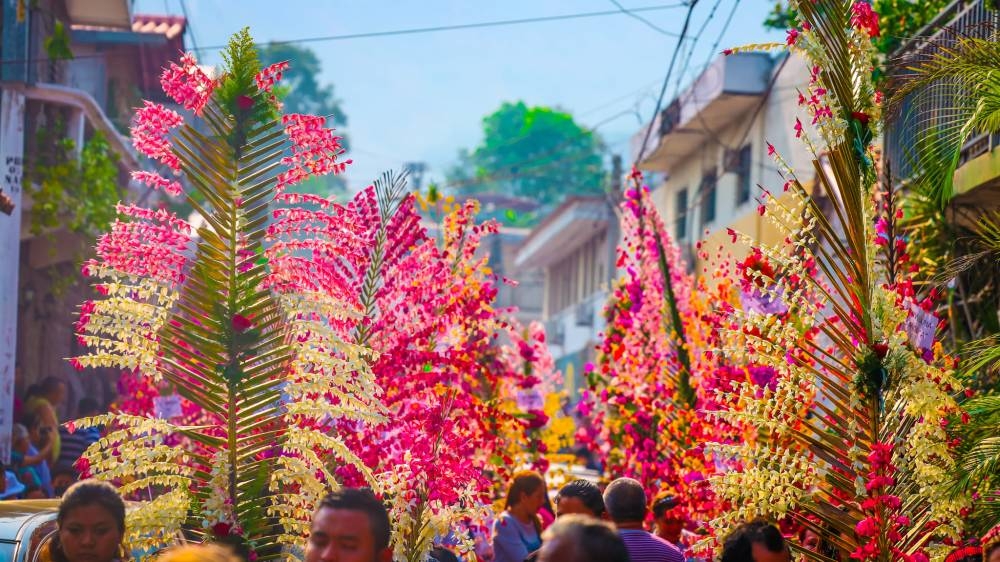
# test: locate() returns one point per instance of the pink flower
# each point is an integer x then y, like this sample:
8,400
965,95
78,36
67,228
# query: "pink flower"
268,77
864,18
770,149
798,128
156,181
187,84
315,150
792,37
150,127
867,527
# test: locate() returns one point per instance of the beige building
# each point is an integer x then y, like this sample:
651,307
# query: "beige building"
711,145
575,247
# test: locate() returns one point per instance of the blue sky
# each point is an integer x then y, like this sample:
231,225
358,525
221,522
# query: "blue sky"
422,97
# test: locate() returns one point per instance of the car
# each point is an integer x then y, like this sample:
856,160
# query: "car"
24,526
27,525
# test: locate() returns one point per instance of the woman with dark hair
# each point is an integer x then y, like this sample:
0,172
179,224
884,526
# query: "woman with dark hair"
91,524
517,532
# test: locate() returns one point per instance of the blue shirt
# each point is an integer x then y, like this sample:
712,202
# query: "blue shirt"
513,540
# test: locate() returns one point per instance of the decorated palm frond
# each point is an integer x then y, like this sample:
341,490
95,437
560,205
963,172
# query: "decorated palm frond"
653,370
247,317
851,439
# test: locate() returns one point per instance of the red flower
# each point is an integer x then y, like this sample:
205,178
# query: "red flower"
881,349
222,529
793,36
727,52
798,128
864,18
861,116
241,323
244,102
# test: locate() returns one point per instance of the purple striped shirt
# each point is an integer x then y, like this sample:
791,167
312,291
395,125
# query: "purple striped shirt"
646,547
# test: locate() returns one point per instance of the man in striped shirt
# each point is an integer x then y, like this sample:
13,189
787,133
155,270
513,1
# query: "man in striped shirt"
625,501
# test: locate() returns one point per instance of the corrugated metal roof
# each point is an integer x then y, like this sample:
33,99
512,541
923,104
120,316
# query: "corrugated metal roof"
170,26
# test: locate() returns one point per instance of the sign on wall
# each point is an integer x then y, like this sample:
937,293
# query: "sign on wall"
11,158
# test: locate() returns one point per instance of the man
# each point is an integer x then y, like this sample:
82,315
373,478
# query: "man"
351,525
670,517
580,496
757,541
580,538
625,501
75,443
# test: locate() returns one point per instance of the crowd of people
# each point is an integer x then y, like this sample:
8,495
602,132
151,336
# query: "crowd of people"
353,525
44,453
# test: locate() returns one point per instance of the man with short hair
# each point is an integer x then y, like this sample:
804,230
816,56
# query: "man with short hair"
756,541
351,525
580,496
581,538
625,501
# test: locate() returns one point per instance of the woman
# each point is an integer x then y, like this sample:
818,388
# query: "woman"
517,532
91,524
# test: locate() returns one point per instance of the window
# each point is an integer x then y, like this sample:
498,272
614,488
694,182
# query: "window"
743,175
708,197
681,212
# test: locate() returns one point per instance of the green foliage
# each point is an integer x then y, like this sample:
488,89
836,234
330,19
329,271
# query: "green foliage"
57,45
535,152
899,20
78,193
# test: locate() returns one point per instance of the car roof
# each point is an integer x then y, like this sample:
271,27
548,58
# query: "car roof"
14,514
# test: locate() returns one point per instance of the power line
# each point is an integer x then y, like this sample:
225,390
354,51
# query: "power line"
477,25
187,24
666,81
398,32
648,23
693,44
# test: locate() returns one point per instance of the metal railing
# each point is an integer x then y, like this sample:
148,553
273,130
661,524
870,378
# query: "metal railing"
924,112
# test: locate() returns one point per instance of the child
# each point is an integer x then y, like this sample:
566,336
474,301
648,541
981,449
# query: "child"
23,462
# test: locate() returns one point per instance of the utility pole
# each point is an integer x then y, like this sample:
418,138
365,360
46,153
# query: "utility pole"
614,197
416,171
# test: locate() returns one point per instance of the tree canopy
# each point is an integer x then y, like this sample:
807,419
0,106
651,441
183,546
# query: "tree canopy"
899,20
536,152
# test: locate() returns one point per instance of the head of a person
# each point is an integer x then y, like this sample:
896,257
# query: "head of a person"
580,496
91,523
63,476
36,431
87,407
625,501
582,538
756,541
54,390
350,525
198,553
810,540
668,516
442,554
527,490
19,439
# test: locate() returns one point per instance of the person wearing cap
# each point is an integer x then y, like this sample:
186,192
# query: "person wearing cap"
670,518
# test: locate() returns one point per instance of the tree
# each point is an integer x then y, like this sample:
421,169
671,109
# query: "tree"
537,152
310,97
899,20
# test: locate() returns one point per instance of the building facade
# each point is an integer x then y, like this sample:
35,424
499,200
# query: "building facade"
576,248
711,146
73,69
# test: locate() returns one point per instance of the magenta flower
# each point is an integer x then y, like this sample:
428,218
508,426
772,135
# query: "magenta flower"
188,84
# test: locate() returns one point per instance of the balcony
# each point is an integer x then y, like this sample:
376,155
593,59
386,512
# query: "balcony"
724,93
920,114
570,226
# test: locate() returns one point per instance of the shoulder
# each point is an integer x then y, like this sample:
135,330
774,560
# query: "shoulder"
503,522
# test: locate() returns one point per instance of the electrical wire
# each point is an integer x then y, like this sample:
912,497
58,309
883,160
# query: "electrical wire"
398,32
648,23
693,44
666,82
